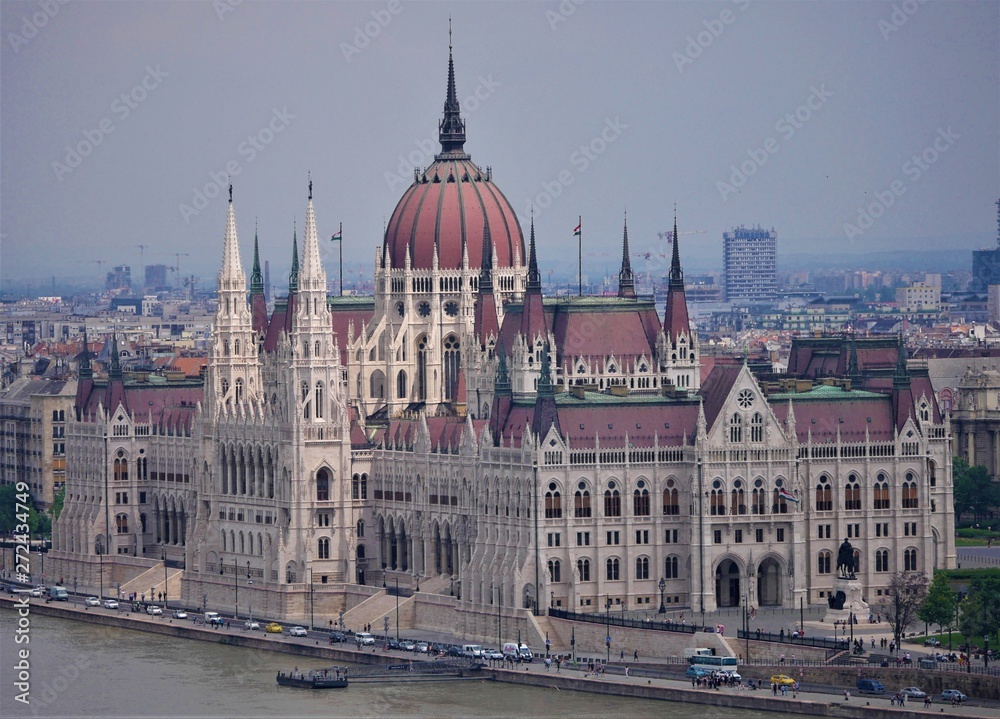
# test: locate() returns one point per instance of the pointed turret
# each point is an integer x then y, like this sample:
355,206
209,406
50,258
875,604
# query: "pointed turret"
675,320
485,323
902,394
85,378
231,274
451,129
114,394
545,415
293,276
258,302
853,368
626,281
502,398
533,315
311,276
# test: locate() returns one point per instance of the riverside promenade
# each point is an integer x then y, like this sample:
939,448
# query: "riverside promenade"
660,687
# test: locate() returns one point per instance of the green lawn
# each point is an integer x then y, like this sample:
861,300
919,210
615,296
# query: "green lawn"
969,542
956,640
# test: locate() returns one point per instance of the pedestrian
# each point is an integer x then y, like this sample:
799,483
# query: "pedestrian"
782,659
892,700
847,695
635,655
622,657
626,671
873,642
774,688
558,664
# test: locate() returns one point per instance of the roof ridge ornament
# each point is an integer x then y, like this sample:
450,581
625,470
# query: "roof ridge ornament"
451,129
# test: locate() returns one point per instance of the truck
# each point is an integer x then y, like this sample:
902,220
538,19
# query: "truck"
58,594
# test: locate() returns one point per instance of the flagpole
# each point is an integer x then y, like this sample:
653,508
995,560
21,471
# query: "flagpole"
579,251
341,260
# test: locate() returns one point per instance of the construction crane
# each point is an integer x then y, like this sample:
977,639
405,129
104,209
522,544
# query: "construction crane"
100,273
177,263
669,234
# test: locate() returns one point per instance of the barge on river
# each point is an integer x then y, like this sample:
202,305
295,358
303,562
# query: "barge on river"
329,678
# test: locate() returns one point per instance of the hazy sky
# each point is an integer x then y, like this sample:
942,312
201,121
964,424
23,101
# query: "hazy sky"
119,121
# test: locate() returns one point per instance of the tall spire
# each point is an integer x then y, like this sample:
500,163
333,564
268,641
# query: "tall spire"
901,377
626,281
311,274
256,278
451,129
486,273
293,277
676,274
853,368
232,268
502,383
86,371
534,278
115,369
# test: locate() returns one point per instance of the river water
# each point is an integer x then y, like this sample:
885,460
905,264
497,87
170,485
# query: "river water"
87,670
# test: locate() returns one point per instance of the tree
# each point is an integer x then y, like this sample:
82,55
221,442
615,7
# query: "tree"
57,503
38,523
981,608
939,603
975,493
902,601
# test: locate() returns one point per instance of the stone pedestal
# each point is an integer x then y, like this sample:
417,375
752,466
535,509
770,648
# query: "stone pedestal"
853,602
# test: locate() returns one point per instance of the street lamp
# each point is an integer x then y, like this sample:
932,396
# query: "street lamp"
166,603
397,609
607,636
662,585
41,559
250,593
310,598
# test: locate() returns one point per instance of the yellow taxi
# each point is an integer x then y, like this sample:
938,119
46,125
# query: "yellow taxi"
782,680
273,628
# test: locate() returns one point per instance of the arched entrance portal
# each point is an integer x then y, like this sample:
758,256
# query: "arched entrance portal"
727,584
769,583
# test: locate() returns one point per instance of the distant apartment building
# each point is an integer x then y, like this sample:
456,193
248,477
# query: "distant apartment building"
156,278
919,297
749,259
33,415
120,278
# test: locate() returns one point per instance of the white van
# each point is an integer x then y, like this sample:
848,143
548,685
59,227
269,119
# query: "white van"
511,651
697,652
213,618
526,655
473,650
364,639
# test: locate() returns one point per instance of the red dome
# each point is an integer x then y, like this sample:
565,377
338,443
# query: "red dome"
447,208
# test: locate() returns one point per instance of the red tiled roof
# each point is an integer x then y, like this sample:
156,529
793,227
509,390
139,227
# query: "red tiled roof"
823,418
716,388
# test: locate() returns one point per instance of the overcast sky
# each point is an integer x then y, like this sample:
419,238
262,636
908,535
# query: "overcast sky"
119,121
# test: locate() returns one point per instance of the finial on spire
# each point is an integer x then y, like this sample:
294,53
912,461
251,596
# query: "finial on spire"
309,175
534,277
230,191
451,129
676,277
626,280
293,276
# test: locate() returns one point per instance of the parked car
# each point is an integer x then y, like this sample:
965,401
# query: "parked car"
494,654
337,637
392,644
782,680
297,631
179,614
407,646
364,639
731,674
273,628
870,686
154,611
455,651
696,672
932,642
954,695
913,693
37,591
111,604
251,625
92,602
423,647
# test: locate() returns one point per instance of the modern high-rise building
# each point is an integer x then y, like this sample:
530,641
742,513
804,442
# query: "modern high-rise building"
748,260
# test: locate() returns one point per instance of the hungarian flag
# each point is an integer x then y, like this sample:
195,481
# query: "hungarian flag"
576,231
785,494
338,236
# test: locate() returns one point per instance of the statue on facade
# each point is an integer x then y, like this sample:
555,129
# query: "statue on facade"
846,564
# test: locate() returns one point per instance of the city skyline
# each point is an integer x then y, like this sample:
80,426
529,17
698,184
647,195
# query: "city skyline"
741,113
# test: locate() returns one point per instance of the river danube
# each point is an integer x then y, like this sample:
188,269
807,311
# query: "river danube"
87,670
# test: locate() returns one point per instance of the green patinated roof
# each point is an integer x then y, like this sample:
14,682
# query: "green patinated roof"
603,399
825,392
351,302
589,304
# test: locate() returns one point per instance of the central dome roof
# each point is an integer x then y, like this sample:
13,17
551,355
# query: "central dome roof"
448,205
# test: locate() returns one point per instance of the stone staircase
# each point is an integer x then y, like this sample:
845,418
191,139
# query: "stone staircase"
439,584
373,610
152,578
